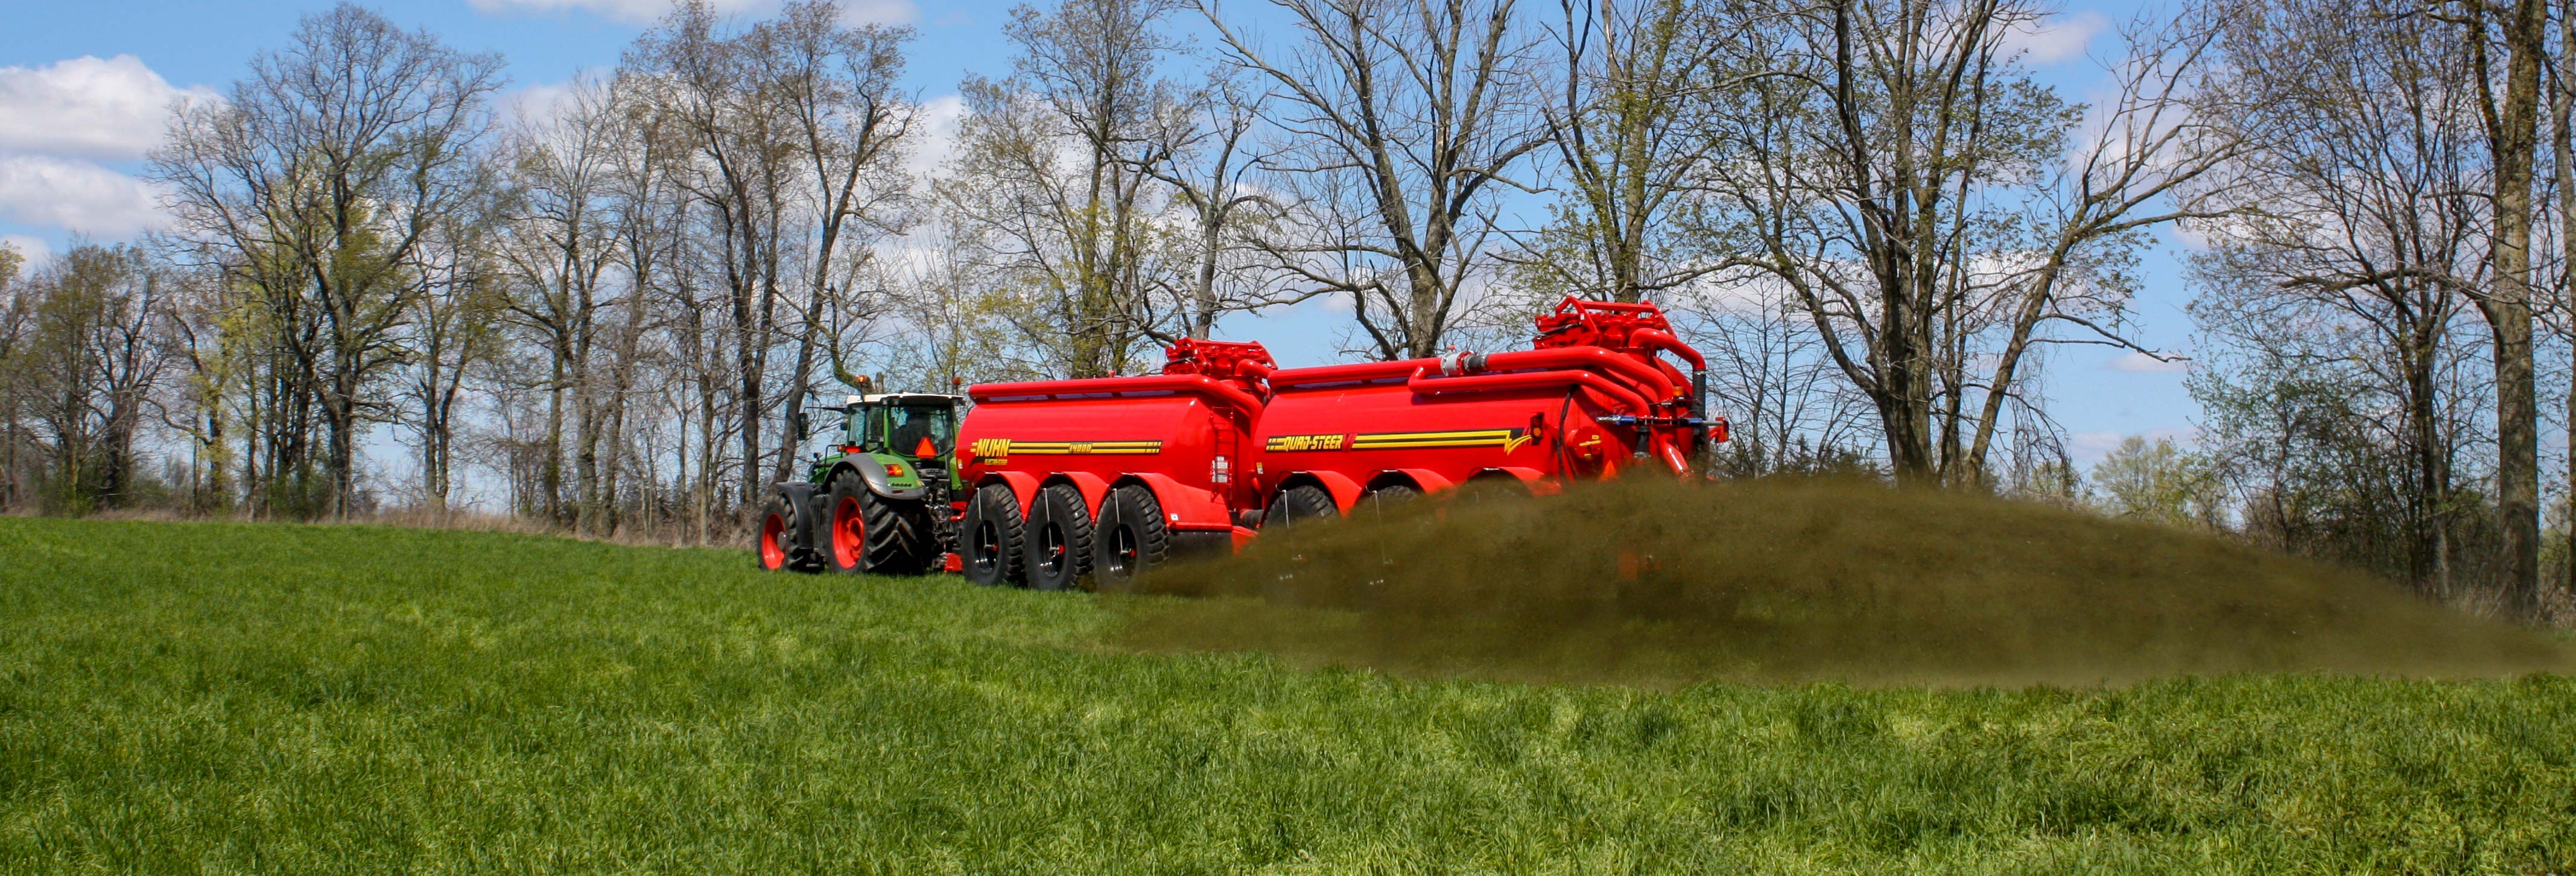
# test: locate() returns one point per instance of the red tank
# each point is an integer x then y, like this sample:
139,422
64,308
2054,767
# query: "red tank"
1106,477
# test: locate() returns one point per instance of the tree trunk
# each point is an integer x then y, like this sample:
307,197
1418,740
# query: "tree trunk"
2508,308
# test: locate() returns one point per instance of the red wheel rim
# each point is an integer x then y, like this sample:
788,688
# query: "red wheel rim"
771,555
849,533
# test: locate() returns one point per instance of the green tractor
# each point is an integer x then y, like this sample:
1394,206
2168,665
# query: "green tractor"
878,499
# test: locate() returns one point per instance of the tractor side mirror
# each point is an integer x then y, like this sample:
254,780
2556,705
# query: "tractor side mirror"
803,425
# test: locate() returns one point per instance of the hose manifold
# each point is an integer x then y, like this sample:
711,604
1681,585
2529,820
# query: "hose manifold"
1461,363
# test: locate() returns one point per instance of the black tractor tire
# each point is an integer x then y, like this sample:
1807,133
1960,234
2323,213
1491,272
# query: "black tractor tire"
1132,539
992,538
1059,541
909,547
1304,503
866,532
774,545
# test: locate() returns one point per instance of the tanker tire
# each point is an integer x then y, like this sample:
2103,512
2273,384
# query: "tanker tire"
1391,497
990,538
773,546
1299,504
1132,538
1059,540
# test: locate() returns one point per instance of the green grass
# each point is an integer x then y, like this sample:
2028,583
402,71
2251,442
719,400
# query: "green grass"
259,698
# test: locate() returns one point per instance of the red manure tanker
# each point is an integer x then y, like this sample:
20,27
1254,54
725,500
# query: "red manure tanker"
1102,478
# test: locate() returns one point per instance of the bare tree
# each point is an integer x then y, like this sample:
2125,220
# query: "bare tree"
1639,77
836,92
1206,150
1939,213
1405,121
1051,188
711,91
2354,221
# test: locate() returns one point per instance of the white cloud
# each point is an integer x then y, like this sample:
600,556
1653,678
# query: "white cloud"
936,135
76,196
2087,446
853,12
85,106
547,101
2058,38
2134,362
858,12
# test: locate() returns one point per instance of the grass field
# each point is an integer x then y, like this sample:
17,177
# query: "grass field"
264,698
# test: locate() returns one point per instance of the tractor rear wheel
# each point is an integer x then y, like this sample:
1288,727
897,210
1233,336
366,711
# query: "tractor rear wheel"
1059,540
869,532
774,540
1132,538
991,537
1299,504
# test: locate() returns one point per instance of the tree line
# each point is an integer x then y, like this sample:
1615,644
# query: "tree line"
379,284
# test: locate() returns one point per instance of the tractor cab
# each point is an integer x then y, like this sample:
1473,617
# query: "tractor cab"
920,427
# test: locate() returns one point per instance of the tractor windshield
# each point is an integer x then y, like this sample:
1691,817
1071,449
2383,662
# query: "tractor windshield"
909,426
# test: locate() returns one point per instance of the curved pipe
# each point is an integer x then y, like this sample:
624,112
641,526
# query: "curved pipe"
1529,380
1648,381
1673,457
1658,339
1197,383
1288,377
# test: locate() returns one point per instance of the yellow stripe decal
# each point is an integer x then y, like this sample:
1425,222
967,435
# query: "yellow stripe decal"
1507,439
1475,433
1002,448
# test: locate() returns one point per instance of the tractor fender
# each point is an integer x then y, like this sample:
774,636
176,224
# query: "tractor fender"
1024,487
1094,490
875,478
1186,506
802,511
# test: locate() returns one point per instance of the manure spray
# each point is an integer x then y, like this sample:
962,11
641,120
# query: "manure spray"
1658,584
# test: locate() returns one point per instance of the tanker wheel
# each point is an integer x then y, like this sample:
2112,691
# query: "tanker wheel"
771,549
1059,539
1131,540
991,537
1391,497
1299,504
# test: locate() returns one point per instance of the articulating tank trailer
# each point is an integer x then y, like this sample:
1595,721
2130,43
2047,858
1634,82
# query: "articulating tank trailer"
1055,482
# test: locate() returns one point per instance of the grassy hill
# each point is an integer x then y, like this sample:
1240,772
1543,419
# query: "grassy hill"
226,698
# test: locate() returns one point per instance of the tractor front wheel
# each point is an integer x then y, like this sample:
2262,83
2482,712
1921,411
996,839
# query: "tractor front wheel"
991,538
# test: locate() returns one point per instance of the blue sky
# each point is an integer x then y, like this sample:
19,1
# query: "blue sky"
81,85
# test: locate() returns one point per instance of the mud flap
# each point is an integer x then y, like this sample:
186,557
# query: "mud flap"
1202,543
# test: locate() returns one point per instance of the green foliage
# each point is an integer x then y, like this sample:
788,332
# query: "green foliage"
2159,482
225,697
